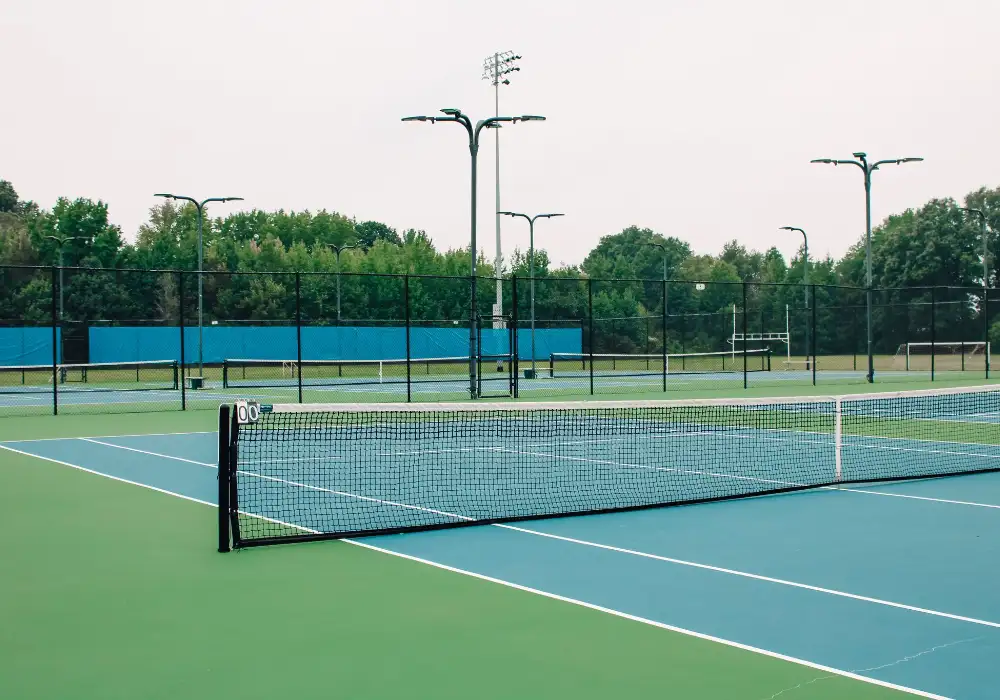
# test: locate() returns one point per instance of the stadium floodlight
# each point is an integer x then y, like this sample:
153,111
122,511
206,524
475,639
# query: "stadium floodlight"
531,268
496,69
868,168
200,206
474,131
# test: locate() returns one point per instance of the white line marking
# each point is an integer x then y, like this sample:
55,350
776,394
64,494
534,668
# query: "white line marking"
916,498
108,476
539,592
152,454
652,623
758,577
54,439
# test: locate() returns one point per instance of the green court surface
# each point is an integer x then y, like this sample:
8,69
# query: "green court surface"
115,591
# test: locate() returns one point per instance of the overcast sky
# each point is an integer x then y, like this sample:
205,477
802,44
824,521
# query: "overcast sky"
695,119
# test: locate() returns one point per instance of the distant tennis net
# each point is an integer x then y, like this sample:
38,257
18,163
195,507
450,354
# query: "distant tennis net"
98,376
297,472
643,364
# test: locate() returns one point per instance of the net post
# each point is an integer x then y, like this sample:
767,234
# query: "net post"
224,473
180,321
298,332
933,330
515,353
406,307
590,332
744,332
663,335
838,437
812,332
55,343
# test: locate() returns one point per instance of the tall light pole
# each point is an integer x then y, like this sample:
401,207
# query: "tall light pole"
986,250
474,130
200,207
663,248
805,278
531,267
338,249
61,241
496,68
868,168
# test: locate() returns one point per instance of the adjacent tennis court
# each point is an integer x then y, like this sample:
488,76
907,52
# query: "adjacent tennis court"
872,589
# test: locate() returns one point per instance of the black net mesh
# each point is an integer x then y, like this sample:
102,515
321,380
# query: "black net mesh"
330,472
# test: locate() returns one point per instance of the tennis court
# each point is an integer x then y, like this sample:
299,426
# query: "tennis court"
860,590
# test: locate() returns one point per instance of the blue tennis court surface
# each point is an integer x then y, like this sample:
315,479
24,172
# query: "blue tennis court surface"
893,582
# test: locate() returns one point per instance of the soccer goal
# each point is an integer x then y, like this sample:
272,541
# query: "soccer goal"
956,355
766,337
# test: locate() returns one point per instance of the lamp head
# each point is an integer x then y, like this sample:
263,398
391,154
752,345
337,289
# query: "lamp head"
164,194
909,160
420,118
531,118
823,160
451,111
860,154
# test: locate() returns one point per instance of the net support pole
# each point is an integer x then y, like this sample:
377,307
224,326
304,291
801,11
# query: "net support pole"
406,307
745,314
812,332
838,437
223,476
663,335
55,342
298,333
180,320
933,330
590,332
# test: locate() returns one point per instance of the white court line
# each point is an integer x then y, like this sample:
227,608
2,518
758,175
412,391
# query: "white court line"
647,555
916,498
147,452
544,594
53,439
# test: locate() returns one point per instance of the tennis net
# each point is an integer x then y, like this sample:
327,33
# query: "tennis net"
299,472
149,375
643,364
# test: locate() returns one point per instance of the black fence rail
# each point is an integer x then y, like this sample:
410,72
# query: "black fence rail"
76,340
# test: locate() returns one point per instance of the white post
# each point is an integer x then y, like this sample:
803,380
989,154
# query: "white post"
788,339
734,331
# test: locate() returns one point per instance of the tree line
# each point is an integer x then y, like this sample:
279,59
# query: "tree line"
936,245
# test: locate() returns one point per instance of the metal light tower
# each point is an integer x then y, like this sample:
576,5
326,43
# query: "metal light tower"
531,264
338,249
805,280
496,68
986,250
867,168
61,241
474,130
200,206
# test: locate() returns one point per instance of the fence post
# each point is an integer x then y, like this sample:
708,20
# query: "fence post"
515,350
406,306
298,332
745,314
933,330
55,343
590,333
812,332
986,327
663,335
180,315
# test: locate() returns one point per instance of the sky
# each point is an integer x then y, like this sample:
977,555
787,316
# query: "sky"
694,119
